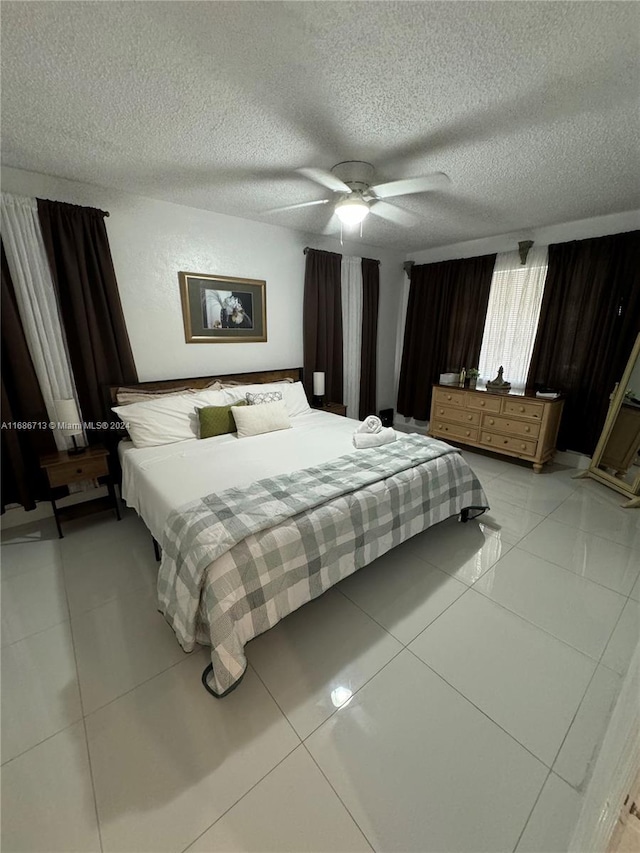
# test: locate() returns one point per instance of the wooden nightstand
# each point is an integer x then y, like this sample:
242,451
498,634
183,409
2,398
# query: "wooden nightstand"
63,469
333,408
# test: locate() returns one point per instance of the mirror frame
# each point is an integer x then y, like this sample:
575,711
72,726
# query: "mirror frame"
632,490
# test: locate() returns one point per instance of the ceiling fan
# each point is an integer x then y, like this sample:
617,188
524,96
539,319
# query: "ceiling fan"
352,181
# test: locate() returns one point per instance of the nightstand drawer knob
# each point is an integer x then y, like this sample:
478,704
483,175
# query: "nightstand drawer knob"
482,403
78,470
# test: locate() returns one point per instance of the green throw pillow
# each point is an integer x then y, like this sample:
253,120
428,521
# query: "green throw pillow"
217,420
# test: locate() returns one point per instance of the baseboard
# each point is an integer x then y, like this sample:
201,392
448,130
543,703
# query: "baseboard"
572,459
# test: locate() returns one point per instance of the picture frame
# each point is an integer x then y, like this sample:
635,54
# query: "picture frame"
220,309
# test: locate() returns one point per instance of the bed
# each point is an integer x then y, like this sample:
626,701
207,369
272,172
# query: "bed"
253,528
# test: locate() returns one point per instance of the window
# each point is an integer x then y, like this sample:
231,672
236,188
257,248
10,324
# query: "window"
512,315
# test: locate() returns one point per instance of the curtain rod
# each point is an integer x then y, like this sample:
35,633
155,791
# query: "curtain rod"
310,248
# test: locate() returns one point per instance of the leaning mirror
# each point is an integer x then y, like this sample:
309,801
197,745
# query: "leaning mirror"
616,460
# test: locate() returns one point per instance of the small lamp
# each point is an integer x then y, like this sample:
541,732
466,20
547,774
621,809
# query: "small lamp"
318,389
69,423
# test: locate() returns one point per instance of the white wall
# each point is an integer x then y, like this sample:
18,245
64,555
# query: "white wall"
151,241
582,229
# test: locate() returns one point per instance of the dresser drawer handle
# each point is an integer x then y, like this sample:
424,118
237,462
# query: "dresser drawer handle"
442,411
527,429
506,441
78,470
482,403
523,446
491,421
522,408
469,417
448,396
488,437
468,432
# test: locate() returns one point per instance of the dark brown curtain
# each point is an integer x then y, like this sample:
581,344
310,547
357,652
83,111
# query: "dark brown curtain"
368,369
443,333
22,480
589,320
322,322
80,259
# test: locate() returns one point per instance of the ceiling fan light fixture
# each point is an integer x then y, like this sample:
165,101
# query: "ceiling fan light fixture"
352,210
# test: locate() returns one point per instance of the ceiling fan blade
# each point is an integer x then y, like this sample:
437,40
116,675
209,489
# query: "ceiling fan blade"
296,206
325,179
394,214
407,186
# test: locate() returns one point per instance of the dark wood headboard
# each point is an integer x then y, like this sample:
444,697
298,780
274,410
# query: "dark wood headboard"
260,376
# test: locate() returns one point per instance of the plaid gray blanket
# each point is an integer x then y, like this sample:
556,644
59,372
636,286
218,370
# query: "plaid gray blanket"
237,562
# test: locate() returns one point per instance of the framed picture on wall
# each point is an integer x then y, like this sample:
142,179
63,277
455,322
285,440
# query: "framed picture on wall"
218,309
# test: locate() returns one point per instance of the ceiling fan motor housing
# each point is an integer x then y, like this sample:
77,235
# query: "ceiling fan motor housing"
356,174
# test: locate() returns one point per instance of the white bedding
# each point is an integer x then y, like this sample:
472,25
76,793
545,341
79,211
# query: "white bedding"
157,480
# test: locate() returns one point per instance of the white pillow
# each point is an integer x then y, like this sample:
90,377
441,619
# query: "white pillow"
295,399
293,395
209,397
255,420
162,421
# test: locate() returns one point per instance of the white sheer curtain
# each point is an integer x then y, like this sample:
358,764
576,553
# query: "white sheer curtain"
37,303
351,291
512,315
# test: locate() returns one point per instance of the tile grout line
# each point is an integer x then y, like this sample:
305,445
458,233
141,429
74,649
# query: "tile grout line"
40,742
84,719
344,805
255,784
526,823
268,773
187,655
577,574
573,719
35,633
484,713
544,630
386,630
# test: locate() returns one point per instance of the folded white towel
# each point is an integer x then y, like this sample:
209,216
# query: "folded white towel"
371,424
370,439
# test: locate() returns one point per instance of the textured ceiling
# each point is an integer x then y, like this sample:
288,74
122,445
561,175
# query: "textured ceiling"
531,108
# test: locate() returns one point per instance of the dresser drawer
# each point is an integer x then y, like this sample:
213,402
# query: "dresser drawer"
482,402
448,413
503,442
73,472
450,398
513,427
533,411
455,431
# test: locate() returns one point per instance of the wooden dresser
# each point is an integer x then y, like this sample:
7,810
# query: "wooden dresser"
520,425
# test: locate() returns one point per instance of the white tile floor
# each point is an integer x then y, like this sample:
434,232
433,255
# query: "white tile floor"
452,696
